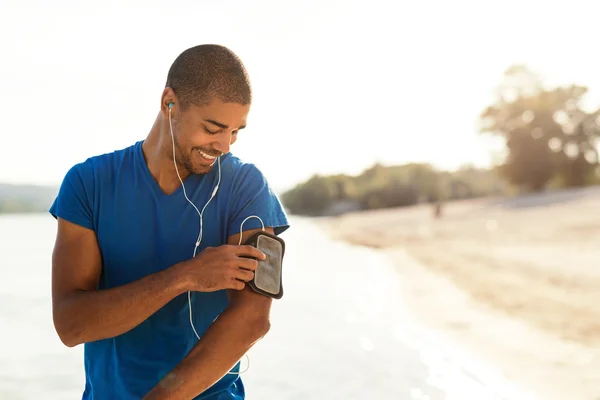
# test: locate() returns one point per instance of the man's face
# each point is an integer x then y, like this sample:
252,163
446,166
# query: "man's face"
203,133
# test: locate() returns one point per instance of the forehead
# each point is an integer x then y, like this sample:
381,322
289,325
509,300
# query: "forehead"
231,114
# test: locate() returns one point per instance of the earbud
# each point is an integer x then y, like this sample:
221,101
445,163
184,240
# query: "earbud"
171,104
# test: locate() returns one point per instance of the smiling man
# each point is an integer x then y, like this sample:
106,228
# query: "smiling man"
147,270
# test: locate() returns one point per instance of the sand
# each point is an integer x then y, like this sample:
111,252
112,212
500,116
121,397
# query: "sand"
514,282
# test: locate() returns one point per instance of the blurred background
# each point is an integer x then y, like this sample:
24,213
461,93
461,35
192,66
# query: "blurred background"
439,162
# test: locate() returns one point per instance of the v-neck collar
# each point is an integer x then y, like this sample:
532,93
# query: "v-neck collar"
155,186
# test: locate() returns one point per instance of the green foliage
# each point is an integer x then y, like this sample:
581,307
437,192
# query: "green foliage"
551,142
11,206
551,139
26,198
388,186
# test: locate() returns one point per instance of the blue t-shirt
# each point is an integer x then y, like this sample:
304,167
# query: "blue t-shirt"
140,231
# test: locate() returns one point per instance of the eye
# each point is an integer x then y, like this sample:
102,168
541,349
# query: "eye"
234,132
210,132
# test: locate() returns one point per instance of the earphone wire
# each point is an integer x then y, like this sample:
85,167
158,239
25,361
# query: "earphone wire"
200,214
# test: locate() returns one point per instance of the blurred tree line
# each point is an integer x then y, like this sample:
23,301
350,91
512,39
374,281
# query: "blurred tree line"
26,198
10,206
550,138
388,186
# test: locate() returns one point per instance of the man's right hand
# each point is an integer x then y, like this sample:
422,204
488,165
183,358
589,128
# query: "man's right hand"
222,267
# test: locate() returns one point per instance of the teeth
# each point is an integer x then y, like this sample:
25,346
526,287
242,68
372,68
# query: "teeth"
206,155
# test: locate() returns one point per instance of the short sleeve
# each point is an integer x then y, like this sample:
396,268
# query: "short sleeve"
253,196
75,196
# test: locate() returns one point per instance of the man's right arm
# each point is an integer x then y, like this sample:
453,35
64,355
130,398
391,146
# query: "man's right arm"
82,313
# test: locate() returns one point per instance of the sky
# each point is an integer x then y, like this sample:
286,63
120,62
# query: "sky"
338,85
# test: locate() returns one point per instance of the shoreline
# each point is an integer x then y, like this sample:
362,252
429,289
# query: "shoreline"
494,280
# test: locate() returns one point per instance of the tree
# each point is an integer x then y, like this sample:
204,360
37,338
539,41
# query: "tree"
547,131
579,156
311,197
387,186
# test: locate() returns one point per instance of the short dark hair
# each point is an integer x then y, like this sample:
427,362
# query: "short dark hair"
208,71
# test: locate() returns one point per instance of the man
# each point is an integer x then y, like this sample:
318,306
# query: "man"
127,255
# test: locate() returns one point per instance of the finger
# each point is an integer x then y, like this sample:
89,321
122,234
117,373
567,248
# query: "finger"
244,275
249,251
237,285
247,263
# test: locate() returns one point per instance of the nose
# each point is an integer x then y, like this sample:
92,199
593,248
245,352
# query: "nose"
223,143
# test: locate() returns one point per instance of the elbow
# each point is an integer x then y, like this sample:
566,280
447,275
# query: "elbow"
260,327
67,332
68,343
255,326
66,336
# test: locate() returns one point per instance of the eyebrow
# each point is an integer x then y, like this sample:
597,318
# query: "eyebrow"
220,125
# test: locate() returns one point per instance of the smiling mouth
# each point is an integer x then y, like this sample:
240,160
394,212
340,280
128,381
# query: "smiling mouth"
207,157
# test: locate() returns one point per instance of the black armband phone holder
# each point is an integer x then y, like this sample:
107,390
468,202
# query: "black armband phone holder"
268,276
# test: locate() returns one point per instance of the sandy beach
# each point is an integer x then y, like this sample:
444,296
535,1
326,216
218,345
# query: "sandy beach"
513,282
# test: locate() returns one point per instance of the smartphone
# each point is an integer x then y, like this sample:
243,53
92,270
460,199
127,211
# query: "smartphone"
268,278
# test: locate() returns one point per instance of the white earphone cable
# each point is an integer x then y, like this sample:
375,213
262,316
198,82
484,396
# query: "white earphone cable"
200,213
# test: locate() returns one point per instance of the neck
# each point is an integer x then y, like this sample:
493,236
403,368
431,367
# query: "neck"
158,152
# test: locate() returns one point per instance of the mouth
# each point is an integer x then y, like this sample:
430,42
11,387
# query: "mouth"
207,158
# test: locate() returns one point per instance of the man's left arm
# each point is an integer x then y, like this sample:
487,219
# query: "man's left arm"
234,332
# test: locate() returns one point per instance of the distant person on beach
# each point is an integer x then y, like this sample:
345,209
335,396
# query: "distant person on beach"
437,210
157,294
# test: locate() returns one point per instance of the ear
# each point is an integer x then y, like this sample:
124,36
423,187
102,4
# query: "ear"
168,97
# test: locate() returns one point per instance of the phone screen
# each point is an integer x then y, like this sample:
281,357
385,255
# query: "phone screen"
267,276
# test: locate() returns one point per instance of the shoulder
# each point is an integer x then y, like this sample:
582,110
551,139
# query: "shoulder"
252,195
112,159
92,167
238,166
242,173
77,196
84,177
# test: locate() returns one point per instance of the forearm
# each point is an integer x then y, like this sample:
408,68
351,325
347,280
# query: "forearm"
234,332
87,316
